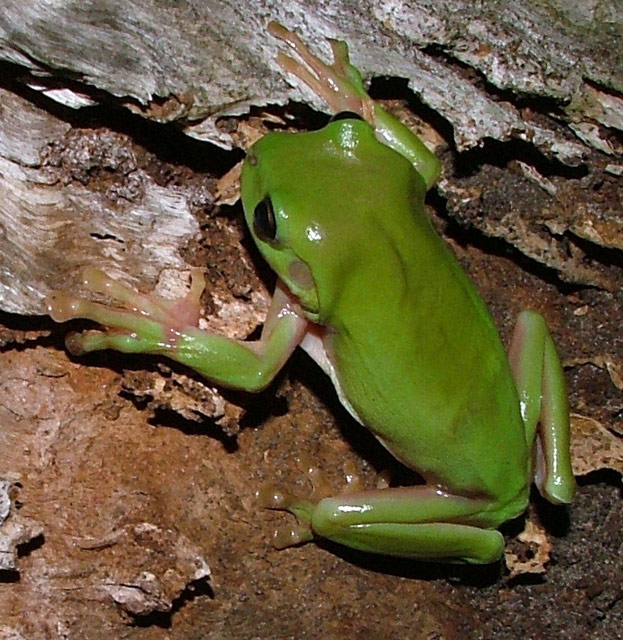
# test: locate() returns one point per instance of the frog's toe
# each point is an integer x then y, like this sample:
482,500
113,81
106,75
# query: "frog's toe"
97,281
354,482
176,313
285,537
80,343
62,306
134,322
320,485
271,497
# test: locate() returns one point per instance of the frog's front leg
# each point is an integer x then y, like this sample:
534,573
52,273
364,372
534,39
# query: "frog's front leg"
341,86
146,324
423,522
540,383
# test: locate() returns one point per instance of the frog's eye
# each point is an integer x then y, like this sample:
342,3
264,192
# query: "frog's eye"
345,115
264,224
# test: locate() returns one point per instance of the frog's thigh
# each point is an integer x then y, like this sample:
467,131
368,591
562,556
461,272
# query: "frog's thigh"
411,522
540,383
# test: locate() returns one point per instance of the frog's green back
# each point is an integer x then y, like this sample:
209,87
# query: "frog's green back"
417,353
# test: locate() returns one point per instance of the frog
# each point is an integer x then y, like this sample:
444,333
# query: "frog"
370,290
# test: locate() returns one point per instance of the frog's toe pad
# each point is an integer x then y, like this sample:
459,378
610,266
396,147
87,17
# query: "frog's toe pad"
285,537
62,306
271,497
75,342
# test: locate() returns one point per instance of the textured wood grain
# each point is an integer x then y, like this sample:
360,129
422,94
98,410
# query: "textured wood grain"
523,103
475,66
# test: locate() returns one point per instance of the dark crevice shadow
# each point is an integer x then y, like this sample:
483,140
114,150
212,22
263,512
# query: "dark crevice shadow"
171,419
609,257
498,153
608,477
20,322
545,105
490,152
23,550
26,548
164,619
166,141
554,517
7,576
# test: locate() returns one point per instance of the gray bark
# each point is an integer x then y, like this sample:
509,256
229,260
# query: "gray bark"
549,74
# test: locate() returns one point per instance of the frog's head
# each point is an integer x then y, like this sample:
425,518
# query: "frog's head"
311,202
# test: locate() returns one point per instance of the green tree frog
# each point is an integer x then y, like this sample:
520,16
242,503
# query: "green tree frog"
370,291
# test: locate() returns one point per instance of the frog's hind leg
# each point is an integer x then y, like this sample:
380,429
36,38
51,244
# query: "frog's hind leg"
540,383
421,522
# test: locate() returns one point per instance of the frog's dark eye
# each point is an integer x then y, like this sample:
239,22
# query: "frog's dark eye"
345,115
264,224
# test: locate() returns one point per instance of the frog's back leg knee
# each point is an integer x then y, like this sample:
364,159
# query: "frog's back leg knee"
540,383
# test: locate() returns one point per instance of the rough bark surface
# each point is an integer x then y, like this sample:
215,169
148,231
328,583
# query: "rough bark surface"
127,484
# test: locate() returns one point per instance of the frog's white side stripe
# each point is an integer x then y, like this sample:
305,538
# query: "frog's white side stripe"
313,344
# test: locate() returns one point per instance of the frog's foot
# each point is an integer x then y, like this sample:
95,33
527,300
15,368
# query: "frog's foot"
134,323
419,522
272,497
339,84
137,323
